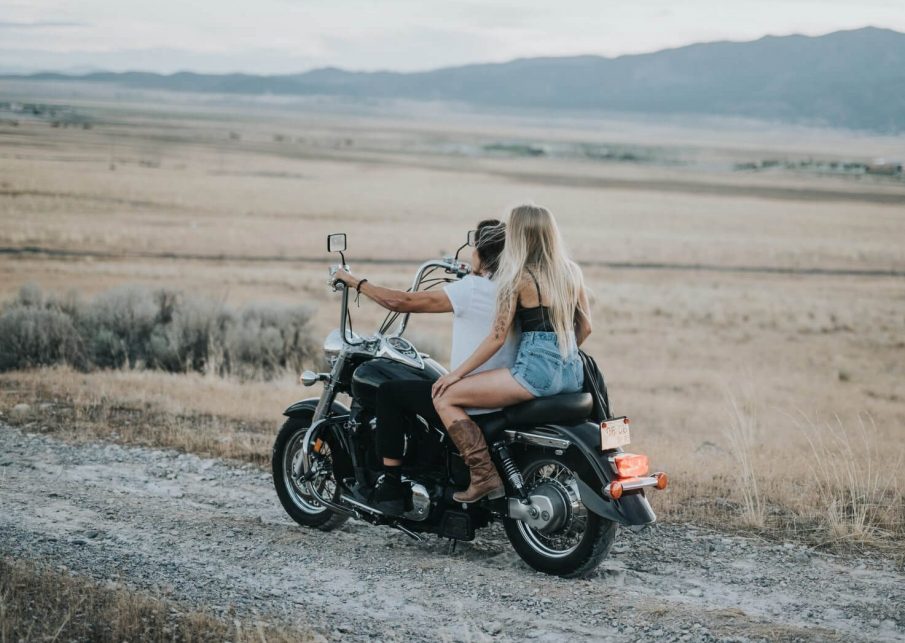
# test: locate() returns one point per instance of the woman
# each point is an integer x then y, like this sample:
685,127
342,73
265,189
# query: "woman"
538,285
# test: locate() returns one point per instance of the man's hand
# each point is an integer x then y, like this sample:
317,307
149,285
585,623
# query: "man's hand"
444,383
346,278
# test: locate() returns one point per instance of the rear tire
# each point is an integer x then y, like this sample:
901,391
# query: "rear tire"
295,499
581,553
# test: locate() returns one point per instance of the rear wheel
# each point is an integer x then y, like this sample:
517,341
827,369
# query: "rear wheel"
572,545
293,494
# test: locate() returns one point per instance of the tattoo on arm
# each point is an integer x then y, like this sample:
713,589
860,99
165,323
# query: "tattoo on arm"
502,323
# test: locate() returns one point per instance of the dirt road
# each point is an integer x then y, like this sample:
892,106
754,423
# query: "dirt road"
212,534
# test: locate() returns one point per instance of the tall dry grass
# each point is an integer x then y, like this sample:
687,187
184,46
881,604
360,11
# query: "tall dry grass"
207,415
830,482
857,489
741,433
39,604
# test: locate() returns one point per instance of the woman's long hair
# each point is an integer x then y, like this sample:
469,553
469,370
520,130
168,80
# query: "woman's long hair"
533,242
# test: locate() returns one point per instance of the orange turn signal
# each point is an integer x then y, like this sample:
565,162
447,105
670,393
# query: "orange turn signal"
631,465
662,480
615,490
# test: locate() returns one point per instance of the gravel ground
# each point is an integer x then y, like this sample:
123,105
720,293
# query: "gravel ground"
212,534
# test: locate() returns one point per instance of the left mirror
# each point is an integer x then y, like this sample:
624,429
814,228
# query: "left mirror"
472,238
336,242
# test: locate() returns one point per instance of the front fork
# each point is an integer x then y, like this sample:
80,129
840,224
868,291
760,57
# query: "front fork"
329,394
321,411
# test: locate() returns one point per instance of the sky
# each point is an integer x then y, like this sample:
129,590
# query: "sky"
287,36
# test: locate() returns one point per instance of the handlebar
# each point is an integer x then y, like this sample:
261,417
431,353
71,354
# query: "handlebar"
449,264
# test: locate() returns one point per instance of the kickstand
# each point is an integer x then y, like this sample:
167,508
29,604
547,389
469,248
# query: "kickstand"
452,547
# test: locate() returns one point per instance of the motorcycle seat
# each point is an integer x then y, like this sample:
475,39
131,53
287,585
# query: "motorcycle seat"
569,408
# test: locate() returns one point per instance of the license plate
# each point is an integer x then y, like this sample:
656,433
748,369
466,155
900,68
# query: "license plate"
614,433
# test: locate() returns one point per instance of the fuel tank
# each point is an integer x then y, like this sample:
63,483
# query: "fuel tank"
372,374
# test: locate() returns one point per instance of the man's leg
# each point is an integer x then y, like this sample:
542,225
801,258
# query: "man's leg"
398,402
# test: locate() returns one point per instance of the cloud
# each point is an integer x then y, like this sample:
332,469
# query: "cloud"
284,36
40,24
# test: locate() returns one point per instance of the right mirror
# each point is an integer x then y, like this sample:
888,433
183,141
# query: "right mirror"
336,242
472,238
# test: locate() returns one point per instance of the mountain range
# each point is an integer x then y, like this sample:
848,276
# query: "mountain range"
852,79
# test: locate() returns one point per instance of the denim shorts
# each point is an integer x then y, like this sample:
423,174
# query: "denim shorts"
542,370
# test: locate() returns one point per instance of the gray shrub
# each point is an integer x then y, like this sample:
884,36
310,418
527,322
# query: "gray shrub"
139,327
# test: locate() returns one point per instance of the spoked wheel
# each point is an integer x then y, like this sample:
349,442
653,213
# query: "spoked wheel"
575,540
294,495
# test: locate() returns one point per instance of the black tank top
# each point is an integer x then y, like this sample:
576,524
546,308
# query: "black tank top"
536,319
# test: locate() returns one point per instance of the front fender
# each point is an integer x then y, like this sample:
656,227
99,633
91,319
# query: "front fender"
631,509
302,407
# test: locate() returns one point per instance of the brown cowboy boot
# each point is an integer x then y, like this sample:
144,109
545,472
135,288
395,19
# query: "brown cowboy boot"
485,481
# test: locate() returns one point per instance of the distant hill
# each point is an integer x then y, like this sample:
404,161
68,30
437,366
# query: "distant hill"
853,79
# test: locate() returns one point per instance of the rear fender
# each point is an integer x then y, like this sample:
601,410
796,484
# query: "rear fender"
631,509
303,407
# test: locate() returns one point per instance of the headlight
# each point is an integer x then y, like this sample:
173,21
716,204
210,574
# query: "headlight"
333,345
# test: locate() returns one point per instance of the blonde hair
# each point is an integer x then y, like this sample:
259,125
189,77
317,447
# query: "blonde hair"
533,243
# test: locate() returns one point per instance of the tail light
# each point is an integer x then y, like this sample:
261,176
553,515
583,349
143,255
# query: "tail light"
631,465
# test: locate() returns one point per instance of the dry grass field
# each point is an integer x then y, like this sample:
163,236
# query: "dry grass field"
752,324
42,604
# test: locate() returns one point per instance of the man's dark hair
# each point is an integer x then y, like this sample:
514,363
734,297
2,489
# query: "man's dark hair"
489,242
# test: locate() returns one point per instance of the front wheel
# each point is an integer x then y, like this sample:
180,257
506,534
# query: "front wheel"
574,545
293,495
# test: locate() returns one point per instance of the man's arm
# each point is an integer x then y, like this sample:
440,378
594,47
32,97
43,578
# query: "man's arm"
400,301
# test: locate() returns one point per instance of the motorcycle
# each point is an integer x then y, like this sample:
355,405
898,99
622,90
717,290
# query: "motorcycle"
568,482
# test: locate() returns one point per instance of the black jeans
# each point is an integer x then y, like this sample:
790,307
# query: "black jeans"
398,402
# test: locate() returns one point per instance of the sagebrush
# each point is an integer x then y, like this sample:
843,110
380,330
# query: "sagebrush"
139,327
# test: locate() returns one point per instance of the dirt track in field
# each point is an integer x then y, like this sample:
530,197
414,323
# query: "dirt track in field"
212,534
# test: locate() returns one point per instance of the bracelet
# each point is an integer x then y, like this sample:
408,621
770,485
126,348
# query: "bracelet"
358,287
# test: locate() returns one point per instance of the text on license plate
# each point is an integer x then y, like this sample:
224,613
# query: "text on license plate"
614,433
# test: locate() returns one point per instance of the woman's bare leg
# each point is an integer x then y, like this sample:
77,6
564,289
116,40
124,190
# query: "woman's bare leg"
489,390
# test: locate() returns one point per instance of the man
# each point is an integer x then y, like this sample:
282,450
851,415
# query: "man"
472,300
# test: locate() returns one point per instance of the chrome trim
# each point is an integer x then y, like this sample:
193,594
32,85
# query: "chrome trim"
306,467
537,439
376,512
421,501
387,351
292,467
310,378
360,505
307,441
538,514
408,532
329,393
633,483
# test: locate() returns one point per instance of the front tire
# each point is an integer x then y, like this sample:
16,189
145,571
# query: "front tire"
575,549
294,497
